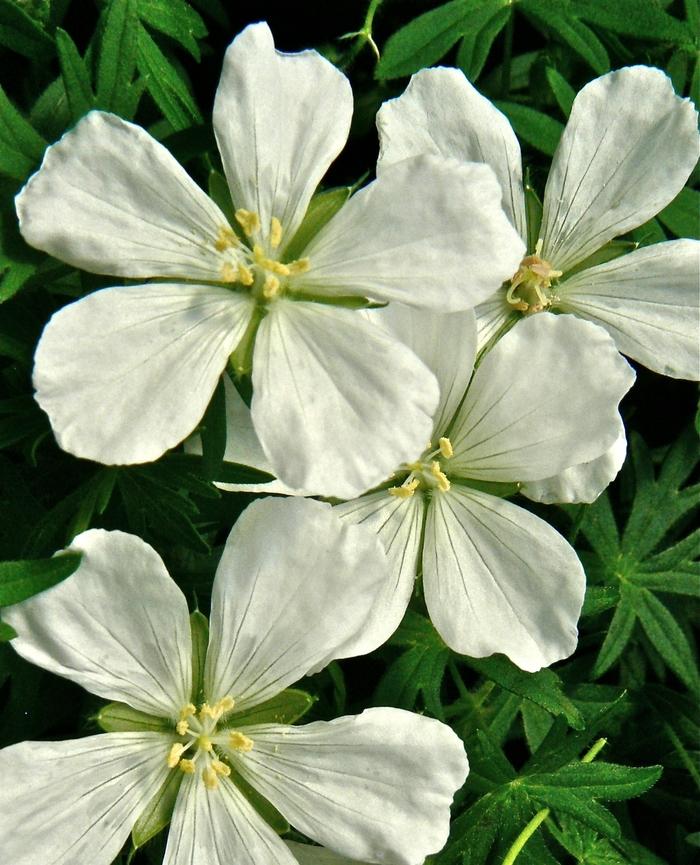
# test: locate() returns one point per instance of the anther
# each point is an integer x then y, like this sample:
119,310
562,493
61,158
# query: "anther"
176,752
229,272
301,265
183,728
248,220
225,239
187,766
275,232
446,447
271,287
406,490
245,275
440,476
210,778
221,768
239,741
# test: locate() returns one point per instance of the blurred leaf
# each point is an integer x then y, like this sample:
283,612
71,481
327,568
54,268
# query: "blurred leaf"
563,92
22,580
212,432
682,215
19,32
21,147
475,47
539,130
6,632
639,18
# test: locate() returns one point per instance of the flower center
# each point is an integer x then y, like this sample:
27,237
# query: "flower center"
254,264
199,744
530,288
427,473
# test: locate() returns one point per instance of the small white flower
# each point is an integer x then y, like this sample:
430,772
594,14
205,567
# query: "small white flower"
294,587
127,372
627,150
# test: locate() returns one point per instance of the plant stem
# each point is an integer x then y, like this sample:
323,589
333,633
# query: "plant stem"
525,836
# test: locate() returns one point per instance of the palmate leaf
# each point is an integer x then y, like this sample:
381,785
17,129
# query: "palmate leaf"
635,564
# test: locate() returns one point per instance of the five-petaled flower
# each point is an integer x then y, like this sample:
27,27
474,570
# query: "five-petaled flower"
127,372
375,786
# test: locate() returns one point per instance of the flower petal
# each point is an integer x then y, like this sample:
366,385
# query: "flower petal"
399,525
280,120
337,404
374,786
220,827
648,301
491,317
119,626
63,803
499,579
126,373
627,150
582,483
445,343
110,199
305,854
295,584
440,112
423,233
543,399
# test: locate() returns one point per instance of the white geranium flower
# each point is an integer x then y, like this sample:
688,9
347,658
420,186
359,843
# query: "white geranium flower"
374,787
127,372
627,150
496,578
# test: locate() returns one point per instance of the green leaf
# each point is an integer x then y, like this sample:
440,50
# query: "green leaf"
199,628
682,215
22,580
120,718
638,18
544,687
117,59
176,19
7,632
158,812
212,431
21,147
588,811
616,639
76,77
419,670
667,638
323,206
607,781
561,20
538,129
169,91
475,47
599,599
19,32
563,92
284,708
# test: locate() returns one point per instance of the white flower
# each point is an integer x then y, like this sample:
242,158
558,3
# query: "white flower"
496,578
294,586
127,372
627,150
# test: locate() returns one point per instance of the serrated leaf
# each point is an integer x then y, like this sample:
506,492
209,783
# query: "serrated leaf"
199,629
474,47
539,130
588,811
158,812
19,32
323,206
682,215
617,637
120,718
76,78
284,708
23,579
607,781
176,19
21,146
420,670
117,58
164,83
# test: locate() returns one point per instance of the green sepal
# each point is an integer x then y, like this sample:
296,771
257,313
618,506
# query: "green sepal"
613,249
346,301
199,627
221,195
265,809
120,718
322,207
241,360
159,811
493,488
533,213
284,708
7,632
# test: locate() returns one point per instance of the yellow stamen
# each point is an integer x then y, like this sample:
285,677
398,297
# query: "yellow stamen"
221,768
240,742
205,711
248,220
176,752
271,287
440,476
229,272
188,711
275,232
405,491
225,239
446,448
187,766
183,728
209,776
224,705
245,275
301,265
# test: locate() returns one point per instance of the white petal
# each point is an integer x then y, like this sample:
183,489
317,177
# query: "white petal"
445,343
109,198
399,525
305,854
69,803
374,786
220,827
491,317
295,583
337,403
582,483
543,399
424,233
280,120
119,626
648,301
627,150
126,373
441,112
243,447
499,579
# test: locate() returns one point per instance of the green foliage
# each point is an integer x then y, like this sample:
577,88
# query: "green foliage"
21,580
